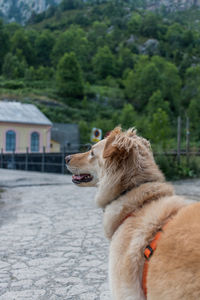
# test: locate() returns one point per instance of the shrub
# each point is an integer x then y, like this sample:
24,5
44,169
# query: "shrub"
12,84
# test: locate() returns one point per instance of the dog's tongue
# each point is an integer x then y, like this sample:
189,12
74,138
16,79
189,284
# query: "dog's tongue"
79,177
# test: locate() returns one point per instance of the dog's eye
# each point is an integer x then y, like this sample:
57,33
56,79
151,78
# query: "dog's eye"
92,153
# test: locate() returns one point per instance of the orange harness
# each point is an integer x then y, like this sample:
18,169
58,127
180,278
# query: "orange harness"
148,252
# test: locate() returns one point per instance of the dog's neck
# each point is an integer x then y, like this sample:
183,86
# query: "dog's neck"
132,201
113,183
123,193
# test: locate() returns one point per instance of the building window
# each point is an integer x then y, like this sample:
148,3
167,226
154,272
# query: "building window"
10,140
34,142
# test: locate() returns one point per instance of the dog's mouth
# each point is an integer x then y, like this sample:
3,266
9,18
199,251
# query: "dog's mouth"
81,178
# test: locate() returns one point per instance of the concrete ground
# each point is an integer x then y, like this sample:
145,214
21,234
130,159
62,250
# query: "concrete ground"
52,244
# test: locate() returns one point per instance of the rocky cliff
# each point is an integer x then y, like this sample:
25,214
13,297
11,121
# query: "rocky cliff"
21,10
172,5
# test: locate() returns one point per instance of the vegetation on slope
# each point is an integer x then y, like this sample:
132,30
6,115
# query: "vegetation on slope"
104,64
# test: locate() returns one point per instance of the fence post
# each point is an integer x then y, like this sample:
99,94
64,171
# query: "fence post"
43,159
1,158
179,140
13,159
188,140
63,160
26,159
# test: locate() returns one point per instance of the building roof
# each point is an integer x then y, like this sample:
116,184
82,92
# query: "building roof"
67,135
17,112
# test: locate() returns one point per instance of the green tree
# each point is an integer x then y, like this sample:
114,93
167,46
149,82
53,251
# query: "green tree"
71,4
69,77
135,23
20,44
85,132
104,63
128,116
13,68
174,35
4,42
72,40
44,73
152,26
159,128
149,76
30,74
43,46
191,85
157,101
125,60
194,116
141,82
97,33
11,28
171,82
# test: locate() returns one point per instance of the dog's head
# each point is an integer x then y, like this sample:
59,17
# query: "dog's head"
120,162
87,167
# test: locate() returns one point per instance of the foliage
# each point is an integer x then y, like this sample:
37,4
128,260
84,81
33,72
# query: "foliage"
104,63
157,101
94,57
159,128
12,67
43,47
69,76
72,40
4,42
194,115
71,4
150,75
21,47
12,85
128,116
174,171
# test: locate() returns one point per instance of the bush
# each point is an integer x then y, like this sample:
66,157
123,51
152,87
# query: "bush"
174,171
12,85
13,68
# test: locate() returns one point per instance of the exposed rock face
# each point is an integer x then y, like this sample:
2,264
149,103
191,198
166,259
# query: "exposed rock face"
21,10
150,47
172,5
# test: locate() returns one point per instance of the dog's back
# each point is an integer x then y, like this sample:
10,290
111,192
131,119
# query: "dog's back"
174,269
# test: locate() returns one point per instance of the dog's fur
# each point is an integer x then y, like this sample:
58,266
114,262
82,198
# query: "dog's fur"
130,184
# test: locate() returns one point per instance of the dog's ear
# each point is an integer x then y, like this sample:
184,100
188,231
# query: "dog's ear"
110,149
118,145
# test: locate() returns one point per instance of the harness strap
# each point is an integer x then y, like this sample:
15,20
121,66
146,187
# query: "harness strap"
148,252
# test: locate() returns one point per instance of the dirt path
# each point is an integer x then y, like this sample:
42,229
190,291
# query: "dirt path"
52,244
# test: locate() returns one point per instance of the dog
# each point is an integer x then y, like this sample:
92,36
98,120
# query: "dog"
141,214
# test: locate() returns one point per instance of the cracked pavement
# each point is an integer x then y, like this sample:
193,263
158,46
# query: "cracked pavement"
52,244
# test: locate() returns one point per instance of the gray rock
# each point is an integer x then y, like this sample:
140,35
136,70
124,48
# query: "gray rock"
150,47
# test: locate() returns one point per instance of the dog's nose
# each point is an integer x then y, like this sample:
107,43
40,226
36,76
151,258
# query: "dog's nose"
68,158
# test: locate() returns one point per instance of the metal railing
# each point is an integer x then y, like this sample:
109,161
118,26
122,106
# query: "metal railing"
55,162
40,162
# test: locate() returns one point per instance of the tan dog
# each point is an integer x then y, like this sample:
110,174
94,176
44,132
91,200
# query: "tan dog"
137,203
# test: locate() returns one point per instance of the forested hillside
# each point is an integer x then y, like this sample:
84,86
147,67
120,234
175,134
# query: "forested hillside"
107,64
